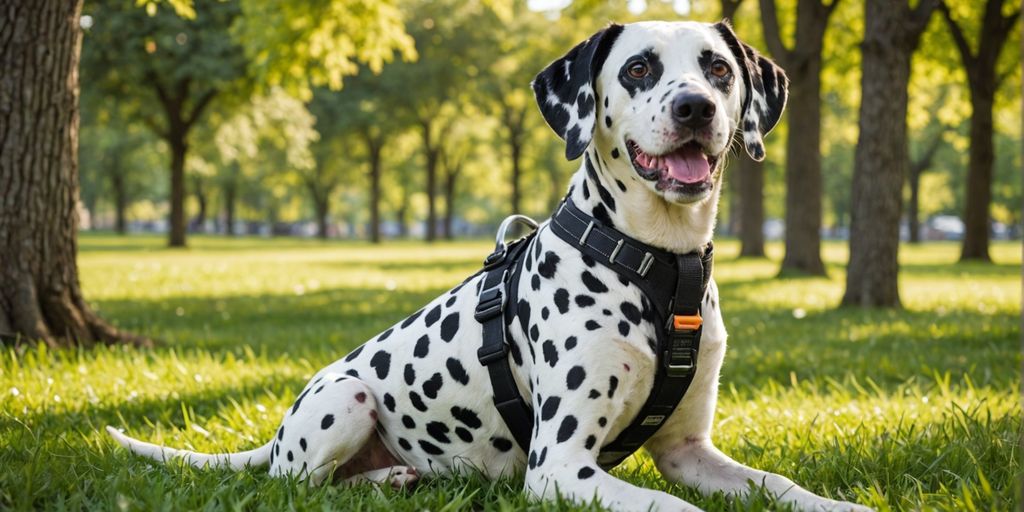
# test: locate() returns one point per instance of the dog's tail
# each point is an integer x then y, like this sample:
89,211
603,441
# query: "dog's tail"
258,457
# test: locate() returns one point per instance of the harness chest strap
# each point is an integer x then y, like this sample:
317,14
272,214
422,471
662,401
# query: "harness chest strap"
674,285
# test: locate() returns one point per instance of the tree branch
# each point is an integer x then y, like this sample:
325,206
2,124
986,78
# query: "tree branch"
970,61
770,27
921,14
201,104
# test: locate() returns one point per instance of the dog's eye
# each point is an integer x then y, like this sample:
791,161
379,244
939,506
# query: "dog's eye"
638,69
720,69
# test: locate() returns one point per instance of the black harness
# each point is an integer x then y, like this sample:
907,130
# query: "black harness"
674,284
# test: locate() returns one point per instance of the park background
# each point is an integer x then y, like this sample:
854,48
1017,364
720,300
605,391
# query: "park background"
262,185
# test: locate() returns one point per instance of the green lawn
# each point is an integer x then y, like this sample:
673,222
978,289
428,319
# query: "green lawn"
915,409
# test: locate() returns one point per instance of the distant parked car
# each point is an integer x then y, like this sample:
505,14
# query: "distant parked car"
944,227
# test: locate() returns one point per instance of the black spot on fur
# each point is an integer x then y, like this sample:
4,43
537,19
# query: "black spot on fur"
592,325
545,313
417,401
457,371
433,316
548,267
623,328
602,421
570,343
550,408
326,422
467,417
591,440
608,121
593,283
298,400
422,347
386,334
408,421
585,472
449,326
620,184
562,300
588,261
615,152
501,444
355,353
404,444
594,394
534,333
432,385
438,431
408,321
631,312
352,372
389,402
410,375
451,301
550,353
613,384
575,377
543,457
464,434
535,282
566,429
601,214
291,458
584,301
302,443
381,362
430,448
280,433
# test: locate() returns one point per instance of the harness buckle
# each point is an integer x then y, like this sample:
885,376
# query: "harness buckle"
488,354
680,362
687,322
491,302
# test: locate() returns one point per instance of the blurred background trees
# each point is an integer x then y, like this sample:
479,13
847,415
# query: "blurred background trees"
414,118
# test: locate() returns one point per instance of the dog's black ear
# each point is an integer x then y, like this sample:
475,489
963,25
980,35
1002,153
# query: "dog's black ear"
766,88
565,90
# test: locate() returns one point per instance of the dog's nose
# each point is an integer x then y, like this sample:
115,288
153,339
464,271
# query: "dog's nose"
693,109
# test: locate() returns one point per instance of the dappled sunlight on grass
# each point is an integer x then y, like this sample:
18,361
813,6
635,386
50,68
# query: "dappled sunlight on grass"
909,409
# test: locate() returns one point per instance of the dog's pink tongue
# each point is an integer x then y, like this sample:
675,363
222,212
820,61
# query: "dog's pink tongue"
688,164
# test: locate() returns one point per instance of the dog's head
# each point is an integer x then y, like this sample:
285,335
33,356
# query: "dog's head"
667,97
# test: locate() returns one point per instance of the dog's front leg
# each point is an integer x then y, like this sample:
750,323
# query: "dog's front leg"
697,463
577,400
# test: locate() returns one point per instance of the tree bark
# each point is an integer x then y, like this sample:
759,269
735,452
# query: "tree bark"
229,192
40,296
452,170
374,146
891,34
199,222
430,152
983,82
120,202
178,146
804,191
750,191
323,209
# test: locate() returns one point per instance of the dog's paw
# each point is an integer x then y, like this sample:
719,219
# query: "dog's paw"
402,477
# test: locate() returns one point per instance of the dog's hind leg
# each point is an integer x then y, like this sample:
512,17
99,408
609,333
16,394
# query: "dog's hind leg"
328,424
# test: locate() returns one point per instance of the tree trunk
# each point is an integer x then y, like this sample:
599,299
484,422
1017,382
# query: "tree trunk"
430,153
178,146
375,148
803,173
40,297
891,33
199,222
323,207
449,202
229,192
804,191
914,206
750,193
120,202
983,82
979,177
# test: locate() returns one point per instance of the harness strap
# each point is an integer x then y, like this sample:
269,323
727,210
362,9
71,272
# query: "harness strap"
674,284
500,276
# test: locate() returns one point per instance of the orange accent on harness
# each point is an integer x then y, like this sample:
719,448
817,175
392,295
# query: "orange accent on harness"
687,322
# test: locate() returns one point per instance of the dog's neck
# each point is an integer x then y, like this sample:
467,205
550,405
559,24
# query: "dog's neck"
630,207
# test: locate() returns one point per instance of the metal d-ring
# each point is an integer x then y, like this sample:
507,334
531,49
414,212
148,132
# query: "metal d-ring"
499,240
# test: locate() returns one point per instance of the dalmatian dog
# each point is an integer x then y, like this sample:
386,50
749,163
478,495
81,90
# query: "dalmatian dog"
652,108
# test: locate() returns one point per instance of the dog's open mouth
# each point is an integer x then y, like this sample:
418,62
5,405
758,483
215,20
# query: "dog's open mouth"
685,169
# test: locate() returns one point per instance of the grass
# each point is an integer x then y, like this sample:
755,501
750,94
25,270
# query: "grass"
901,410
